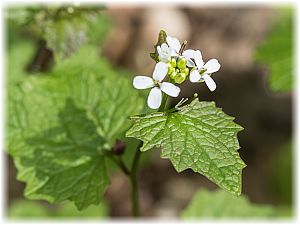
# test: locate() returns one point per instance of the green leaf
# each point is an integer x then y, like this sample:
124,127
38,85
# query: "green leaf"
199,136
61,125
284,211
64,28
35,210
26,209
277,52
219,204
66,34
69,211
18,56
65,161
162,36
65,38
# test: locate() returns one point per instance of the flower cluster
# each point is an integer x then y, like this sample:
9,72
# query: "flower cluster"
177,64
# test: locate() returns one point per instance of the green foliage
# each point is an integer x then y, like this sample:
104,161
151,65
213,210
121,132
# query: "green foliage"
18,56
68,210
64,28
32,209
283,211
198,136
277,52
219,204
27,209
162,36
61,125
281,174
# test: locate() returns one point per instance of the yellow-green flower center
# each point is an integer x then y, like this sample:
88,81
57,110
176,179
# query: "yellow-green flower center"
178,70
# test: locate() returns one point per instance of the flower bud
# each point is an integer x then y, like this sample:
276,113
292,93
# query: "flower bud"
170,68
185,71
173,62
181,64
180,78
173,74
119,147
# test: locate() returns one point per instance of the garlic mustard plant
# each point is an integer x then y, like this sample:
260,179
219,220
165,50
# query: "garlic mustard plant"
95,115
194,134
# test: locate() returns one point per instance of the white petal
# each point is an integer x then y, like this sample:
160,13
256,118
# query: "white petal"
212,66
189,62
173,43
173,52
170,89
164,59
189,53
195,76
154,98
163,56
164,52
198,59
143,82
158,50
164,47
209,82
170,41
160,71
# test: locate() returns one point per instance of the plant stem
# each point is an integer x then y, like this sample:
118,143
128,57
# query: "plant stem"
119,162
134,184
123,166
134,169
163,103
132,174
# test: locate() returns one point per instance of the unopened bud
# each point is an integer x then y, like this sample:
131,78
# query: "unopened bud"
119,147
180,78
170,68
173,62
185,71
181,64
173,74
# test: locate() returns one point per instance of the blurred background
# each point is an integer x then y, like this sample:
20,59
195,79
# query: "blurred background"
125,36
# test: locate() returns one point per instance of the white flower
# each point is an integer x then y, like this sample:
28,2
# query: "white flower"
165,51
204,70
174,44
189,55
155,95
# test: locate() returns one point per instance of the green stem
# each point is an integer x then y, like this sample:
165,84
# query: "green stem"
163,103
123,166
132,174
134,169
134,184
119,162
